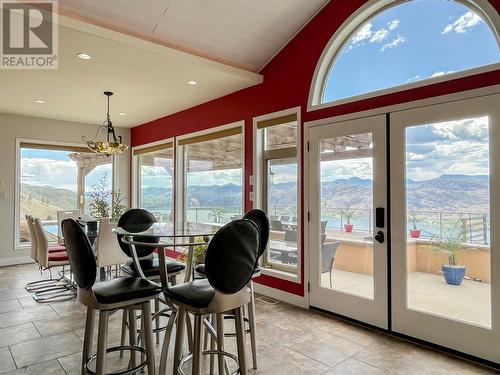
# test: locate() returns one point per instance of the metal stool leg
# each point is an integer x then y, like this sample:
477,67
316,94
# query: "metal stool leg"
124,330
102,335
220,342
166,342
132,329
197,344
157,320
147,335
179,337
189,329
252,324
240,340
88,338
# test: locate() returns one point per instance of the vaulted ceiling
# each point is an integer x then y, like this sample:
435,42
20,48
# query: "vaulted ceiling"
243,33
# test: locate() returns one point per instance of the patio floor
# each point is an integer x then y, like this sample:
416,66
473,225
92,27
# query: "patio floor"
469,302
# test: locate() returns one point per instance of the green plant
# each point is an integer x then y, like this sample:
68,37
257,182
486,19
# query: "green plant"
198,252
414,219
450,242
105,203
217,214
347,213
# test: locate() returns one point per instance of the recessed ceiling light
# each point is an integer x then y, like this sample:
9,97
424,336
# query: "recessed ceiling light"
123,114
192,83
39,101
84,56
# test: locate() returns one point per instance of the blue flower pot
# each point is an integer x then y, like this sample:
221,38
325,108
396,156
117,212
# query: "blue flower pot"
454,275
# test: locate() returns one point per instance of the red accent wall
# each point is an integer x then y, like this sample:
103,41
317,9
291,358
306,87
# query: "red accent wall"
287,79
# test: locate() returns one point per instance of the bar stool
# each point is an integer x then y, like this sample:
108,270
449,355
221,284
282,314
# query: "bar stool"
137,220
260,218
125,293
229,265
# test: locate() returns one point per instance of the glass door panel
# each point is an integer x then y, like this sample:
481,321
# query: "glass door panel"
347,248
445,179
346,182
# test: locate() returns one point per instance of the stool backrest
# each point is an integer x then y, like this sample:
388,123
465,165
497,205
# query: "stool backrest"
231,256
137,220
34,248
80,254
259,217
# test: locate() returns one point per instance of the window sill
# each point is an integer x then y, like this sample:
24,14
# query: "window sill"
281,275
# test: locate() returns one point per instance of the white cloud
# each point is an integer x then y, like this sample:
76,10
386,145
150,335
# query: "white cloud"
49,172
393,25
395,42
414,78
463,23
441,73
363,34
367,34
379,35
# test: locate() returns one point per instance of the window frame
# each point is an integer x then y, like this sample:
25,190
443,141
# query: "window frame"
17,179
136,175
363,14
180,163
259,182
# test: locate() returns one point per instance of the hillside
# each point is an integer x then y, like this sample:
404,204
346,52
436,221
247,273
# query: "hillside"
446,193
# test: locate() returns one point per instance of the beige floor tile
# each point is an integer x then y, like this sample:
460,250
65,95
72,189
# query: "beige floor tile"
18,334
6,361
45,368
352,366
45,349
40,312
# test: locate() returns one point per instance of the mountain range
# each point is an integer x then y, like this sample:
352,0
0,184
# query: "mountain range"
451,192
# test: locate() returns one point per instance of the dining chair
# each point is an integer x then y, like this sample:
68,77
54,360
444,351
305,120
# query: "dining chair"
48,258
107,249
230,263
107,297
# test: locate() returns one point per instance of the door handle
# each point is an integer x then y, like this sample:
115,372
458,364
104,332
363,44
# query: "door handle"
379,237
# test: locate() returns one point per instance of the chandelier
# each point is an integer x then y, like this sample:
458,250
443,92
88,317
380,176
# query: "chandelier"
113,144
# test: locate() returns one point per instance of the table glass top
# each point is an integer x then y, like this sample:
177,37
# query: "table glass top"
169,230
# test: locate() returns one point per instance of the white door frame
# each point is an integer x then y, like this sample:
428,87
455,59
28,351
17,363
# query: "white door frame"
374,311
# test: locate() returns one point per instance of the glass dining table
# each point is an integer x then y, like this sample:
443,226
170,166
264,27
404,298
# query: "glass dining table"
167,236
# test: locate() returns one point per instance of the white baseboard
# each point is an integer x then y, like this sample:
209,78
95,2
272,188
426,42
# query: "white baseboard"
280,295
15,261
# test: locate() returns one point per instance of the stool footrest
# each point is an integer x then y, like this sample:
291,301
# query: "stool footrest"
209,352
129,348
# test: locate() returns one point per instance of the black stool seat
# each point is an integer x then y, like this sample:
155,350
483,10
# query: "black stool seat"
124,289
198,293
151,267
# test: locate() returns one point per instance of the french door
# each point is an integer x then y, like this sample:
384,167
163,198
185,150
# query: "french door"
347,201
445,184
443,167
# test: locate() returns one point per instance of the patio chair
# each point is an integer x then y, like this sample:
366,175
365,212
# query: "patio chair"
323,226
291,237
285,219
277,226
273,217
328,252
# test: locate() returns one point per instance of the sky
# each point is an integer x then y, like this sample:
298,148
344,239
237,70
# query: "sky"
410,42
56,169
406,43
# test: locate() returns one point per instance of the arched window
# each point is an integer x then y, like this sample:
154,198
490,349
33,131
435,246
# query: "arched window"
405,45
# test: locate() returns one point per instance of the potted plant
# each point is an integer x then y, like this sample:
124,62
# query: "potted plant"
414,219
199,252
450,243
348,215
